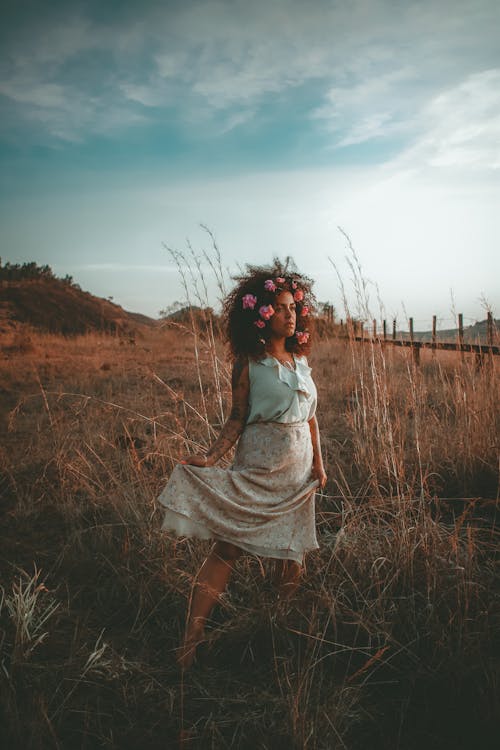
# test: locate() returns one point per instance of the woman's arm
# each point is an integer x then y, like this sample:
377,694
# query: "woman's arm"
318,470
235,423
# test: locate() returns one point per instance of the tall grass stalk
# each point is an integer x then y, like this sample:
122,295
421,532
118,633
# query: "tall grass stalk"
30,607
190,266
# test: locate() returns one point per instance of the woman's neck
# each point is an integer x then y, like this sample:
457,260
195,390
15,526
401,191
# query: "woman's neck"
276,347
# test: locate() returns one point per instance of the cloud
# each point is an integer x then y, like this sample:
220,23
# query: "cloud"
376,106
141,93
458,129
44,95
238,118
127,267
225,60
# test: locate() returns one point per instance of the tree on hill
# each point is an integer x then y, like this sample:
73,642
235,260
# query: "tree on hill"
32,271
326,310
17,272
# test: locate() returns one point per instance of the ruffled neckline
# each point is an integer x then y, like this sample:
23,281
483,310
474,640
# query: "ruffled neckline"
294,379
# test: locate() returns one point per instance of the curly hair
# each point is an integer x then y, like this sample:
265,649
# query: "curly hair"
244,320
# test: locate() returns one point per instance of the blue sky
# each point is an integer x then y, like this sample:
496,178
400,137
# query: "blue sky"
125,125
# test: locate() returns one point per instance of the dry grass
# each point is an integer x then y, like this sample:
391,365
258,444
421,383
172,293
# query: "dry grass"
392,641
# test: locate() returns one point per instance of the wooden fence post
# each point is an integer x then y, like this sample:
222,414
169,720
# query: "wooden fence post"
394,329
433,340
489,337
489,329
415,350
385,331
374,329
461,335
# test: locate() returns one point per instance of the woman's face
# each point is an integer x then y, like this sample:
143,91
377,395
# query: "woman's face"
282,323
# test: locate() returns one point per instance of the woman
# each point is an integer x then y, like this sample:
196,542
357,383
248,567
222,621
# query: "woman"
264,503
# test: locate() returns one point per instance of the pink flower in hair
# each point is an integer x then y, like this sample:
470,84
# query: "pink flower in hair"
304,311
294,285
269,286
302,337
298,295
266,311
249,301
280,280
259,323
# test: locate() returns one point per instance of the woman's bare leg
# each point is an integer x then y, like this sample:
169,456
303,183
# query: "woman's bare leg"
210,583
287,577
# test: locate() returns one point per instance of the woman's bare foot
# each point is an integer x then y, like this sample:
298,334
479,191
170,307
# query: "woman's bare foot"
186,652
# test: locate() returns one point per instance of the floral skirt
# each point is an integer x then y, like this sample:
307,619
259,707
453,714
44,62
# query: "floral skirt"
264,503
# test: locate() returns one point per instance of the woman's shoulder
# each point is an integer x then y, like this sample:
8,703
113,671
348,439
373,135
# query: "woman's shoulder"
302,361
240,370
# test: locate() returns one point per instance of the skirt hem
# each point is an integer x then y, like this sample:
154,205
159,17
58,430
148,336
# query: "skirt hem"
184,526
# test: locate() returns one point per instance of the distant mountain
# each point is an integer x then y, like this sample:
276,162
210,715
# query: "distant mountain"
188,316
60,306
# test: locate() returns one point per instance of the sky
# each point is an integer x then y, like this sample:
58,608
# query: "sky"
288,128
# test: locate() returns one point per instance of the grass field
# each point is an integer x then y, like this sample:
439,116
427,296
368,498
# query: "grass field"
393,640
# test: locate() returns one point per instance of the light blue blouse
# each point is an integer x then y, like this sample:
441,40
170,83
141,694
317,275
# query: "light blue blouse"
278,394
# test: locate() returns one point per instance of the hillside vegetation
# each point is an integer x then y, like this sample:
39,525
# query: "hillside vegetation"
31,295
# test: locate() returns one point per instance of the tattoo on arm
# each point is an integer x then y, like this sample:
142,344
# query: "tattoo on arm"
237,370
236,413
235,424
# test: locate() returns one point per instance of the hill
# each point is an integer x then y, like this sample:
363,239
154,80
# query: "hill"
47,303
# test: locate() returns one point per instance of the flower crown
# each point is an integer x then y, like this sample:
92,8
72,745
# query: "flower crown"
277,285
